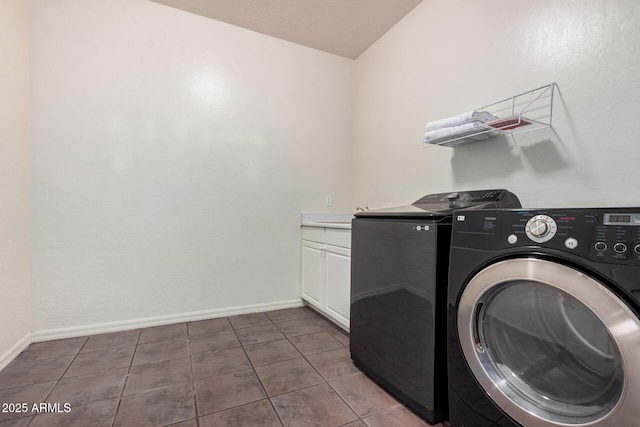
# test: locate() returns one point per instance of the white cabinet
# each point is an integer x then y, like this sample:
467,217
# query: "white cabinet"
338,283
313,256
326,271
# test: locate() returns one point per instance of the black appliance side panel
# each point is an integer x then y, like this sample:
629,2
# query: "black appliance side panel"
398,308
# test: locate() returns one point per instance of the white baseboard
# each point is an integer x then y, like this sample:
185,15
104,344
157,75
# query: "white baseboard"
14,351
101,328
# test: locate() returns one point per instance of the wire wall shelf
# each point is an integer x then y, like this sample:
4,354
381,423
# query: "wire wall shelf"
527,112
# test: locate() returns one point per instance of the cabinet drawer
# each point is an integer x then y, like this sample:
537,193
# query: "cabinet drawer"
315,234
338,237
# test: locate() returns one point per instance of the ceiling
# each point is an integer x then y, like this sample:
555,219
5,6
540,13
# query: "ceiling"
342,27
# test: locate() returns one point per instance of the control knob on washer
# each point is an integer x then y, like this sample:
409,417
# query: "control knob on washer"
541,228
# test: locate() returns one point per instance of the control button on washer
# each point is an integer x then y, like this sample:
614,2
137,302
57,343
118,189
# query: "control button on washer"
512,239
571,243
620,248
600,246
636,249
541,228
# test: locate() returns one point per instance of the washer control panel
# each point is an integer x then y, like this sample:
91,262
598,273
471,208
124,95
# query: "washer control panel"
604,235
608,235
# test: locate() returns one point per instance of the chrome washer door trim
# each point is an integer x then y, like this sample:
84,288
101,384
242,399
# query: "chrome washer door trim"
622,325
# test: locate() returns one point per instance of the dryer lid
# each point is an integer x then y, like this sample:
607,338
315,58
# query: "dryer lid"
441,205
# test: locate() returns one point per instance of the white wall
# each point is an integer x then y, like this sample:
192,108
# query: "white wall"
15,256
172,156
447,57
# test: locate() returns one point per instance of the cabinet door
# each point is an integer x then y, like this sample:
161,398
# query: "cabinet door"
312,273
338,283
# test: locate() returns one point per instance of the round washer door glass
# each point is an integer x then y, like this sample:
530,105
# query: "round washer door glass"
548,343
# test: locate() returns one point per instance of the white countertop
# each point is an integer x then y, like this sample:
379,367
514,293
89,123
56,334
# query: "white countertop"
326,220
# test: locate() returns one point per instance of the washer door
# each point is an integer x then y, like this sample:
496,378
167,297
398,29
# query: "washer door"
550,345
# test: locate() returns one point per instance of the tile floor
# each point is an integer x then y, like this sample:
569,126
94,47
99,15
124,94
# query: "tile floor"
286,367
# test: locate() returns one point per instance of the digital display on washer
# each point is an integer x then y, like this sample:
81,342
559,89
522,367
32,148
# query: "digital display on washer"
621,219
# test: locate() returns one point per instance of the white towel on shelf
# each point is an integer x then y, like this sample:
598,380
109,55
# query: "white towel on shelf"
461,119
476,131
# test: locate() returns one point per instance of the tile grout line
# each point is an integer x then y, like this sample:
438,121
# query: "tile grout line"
359,418
253,368
124,386
324,380
345,402
302,356
62,376
193,377
275,410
